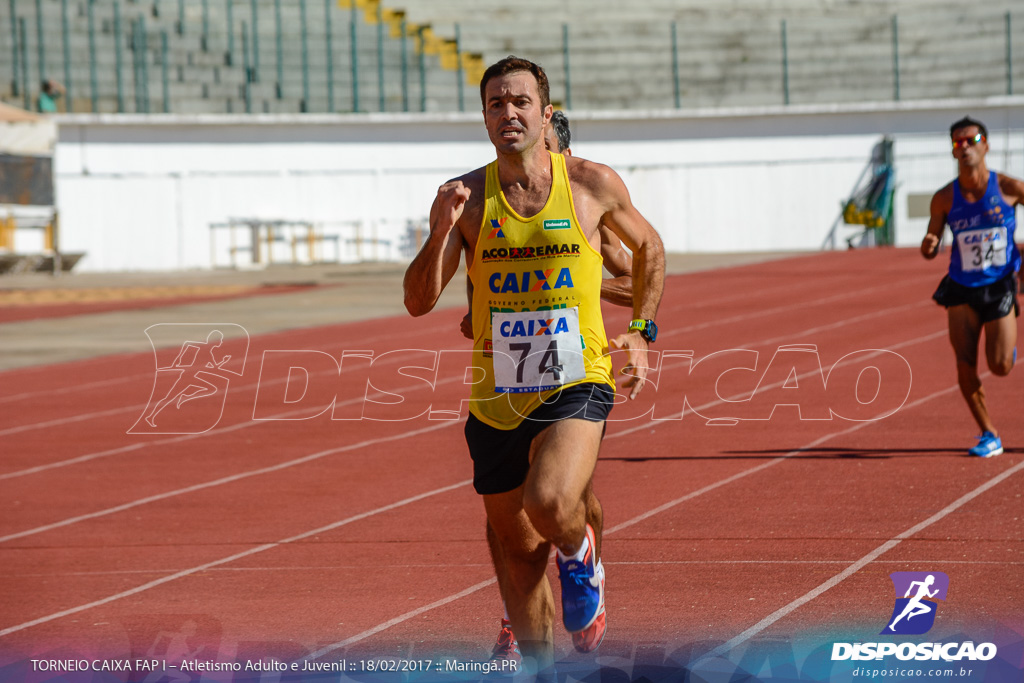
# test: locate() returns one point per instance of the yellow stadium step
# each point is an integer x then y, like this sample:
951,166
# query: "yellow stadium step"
426,41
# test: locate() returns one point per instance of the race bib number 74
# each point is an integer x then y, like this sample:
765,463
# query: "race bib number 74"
537,350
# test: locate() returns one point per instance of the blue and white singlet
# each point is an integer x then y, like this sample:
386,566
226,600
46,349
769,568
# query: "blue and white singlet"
983,248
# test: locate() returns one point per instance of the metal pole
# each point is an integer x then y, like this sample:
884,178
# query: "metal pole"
143,63
380,58
181,17
246,69
280,49
133,41
133,46
23,38
40,47
785,64
896,57
255,42
164,75
229,57
675,66
459,76
118,57
93,80
14,50
423,74
328,4
205,41
65,30
565,59
1009,58
355,57
305,56
353,42
405,69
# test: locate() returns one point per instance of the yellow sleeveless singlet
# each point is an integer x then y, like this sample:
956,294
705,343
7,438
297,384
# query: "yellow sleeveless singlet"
543,263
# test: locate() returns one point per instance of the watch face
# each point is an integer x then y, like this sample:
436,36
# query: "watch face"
651,332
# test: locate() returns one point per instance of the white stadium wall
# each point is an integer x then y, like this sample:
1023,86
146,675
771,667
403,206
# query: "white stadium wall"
141,192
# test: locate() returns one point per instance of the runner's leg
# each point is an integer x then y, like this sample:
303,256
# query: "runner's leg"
562,461
527,593
1000,341
964,332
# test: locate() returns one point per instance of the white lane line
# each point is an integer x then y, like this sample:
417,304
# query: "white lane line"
188,437
289,568
765,465
67,389
64,389
237,556
636,520
812,562
160,442
361,567
196,487
741,397
70,420
737,318
399,619
798,305
223,480
76,387
859,564
113,411
409,615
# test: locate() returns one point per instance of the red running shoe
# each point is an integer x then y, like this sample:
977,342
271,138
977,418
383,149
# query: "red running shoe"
507,647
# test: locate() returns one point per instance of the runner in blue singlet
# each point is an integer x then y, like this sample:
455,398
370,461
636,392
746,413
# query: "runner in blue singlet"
980,291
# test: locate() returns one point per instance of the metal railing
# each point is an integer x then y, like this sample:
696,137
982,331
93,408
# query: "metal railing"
190,40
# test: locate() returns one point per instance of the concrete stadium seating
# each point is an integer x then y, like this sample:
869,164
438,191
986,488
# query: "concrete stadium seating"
619,54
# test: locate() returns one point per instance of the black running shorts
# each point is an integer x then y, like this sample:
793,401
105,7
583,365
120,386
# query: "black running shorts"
501,457
991,302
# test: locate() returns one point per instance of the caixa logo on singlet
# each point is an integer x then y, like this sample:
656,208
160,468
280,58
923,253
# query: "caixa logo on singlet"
533,327
530,281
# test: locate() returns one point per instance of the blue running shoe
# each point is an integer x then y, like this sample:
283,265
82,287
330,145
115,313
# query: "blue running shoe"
988,445
582,589
590,638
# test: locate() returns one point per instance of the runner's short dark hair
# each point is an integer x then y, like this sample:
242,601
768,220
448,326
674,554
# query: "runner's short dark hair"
966,122
512,64
560,123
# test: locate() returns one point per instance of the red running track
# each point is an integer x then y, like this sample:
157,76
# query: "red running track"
337,537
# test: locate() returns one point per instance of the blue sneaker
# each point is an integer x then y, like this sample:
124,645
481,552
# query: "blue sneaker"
590,638
988,445
582,589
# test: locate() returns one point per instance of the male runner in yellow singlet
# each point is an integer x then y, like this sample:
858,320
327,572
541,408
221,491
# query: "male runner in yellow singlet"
617,289
528,224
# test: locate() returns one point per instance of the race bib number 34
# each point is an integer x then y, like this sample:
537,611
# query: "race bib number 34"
981,249
537,350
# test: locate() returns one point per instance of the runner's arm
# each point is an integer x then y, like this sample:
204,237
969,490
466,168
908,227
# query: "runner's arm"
438,260
938,211
618,289
467,320
648,267
1012,189
623,219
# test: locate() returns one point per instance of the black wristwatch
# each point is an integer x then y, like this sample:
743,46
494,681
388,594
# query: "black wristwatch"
648,330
